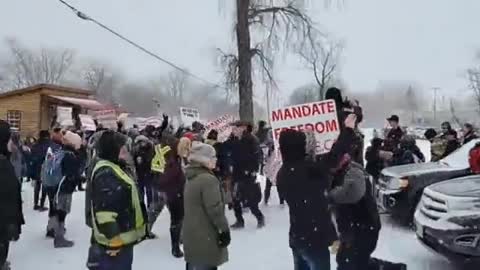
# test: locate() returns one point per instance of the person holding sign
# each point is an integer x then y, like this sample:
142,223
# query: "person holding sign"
303,183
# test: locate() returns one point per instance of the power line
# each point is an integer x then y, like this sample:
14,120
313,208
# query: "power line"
85,17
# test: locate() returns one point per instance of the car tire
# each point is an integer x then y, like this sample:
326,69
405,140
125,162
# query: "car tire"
408,219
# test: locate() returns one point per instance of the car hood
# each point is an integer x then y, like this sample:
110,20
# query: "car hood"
417,168
468,186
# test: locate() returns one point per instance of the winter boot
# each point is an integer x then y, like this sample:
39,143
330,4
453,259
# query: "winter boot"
240,224
261,223
60,241
175,237
52,223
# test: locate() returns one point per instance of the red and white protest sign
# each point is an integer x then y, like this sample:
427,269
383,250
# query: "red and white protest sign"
222,126
318,117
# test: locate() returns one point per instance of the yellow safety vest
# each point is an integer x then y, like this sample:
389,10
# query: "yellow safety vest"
134,235
158,161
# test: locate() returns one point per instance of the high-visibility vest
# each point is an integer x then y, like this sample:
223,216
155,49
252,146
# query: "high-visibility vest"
158,161
138,231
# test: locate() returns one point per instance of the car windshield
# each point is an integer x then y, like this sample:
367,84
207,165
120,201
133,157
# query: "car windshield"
459,158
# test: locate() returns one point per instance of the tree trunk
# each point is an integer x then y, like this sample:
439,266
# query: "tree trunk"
245,85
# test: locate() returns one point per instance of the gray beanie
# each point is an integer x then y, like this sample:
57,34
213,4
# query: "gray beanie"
202,153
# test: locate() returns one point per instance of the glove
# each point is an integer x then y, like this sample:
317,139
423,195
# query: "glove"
13,232
224,239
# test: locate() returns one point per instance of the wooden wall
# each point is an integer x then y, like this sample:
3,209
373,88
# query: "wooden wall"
34,106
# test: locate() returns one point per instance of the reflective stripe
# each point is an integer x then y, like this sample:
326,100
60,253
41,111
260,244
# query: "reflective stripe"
158,161
106,217
125,238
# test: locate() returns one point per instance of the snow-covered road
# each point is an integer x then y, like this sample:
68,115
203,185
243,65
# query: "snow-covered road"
265,249
252,249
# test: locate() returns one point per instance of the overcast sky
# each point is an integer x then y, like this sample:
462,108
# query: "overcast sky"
431,42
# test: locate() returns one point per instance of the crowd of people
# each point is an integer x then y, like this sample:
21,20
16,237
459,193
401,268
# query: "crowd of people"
132,175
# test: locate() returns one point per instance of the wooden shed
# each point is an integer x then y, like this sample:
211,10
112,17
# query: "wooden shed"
32,109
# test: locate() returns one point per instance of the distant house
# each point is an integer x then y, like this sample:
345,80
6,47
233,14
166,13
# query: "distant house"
32,109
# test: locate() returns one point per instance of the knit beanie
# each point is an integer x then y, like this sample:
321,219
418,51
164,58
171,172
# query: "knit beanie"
202,154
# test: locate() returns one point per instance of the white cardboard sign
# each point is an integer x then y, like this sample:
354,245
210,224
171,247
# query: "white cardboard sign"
318,117
222,126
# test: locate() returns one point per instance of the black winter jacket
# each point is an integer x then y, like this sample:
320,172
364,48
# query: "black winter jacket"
39,151
70,170
245,158
10,199
374,163
303,184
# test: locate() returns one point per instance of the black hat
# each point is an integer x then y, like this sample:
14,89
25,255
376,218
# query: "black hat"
393,118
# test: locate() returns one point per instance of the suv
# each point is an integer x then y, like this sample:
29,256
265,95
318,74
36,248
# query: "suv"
447,218
399,188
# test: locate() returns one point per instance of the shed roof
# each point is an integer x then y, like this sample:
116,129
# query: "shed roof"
45,86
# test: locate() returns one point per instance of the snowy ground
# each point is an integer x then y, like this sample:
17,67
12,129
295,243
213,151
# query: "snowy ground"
265,249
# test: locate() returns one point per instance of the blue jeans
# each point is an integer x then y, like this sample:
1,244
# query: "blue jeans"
305,259
98,259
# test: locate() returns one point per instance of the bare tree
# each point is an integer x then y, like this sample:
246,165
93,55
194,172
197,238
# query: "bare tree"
322,59
411,102
474,84
303,94
29,67
94,77
281,24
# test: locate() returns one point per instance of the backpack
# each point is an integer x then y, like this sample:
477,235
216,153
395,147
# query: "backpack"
52,167
474,159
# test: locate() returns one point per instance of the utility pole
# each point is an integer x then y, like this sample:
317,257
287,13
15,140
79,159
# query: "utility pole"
435,92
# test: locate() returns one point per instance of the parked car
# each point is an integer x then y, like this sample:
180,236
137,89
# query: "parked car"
399,188
447,218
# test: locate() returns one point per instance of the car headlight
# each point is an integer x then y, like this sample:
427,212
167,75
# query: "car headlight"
398,183
470,221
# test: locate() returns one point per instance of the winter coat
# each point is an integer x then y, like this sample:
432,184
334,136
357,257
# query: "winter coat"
172,181
39,151
355,207
10,200
221,170
70,170
303,184
204,218
246,155
143,152
452,142
107,192
17,161
374,163
392,141
468,137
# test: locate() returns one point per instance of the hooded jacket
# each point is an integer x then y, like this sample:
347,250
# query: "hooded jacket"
303,183
39,151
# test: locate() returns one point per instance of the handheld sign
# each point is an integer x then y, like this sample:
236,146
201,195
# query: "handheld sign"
318,117
222,126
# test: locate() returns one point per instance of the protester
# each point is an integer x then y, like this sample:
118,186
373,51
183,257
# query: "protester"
408,152
394,135
117,214
11,214
39,152
375,161
468,134
143,152
171,184
206,235
303,183
245,166
51,177
82,155
356,213
450,135
70,169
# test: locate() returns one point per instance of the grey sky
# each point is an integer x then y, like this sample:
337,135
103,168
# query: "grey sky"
428,41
